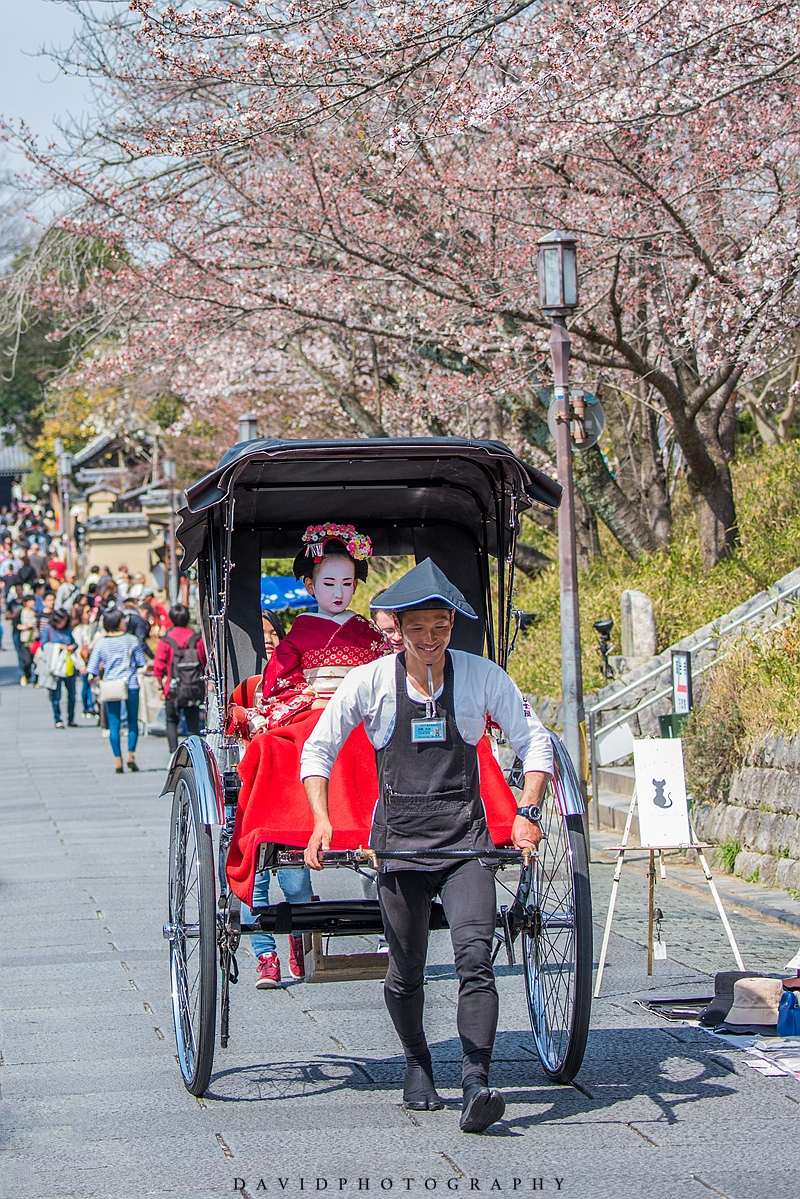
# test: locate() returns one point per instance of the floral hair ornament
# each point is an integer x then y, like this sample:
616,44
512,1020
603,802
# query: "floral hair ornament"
316,537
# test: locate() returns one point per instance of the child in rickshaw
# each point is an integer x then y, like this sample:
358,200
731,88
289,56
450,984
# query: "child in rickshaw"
302,672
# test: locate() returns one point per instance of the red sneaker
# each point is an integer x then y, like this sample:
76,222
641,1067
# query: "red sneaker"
297,961
268,972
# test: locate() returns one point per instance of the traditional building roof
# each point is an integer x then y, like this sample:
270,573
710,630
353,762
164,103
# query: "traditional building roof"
14,458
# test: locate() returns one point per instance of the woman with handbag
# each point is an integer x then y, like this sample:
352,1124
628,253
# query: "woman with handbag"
118,655
57,648
84,632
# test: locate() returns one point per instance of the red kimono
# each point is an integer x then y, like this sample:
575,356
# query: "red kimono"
311,661
305,667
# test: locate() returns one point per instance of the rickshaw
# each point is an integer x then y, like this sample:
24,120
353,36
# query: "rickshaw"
458,502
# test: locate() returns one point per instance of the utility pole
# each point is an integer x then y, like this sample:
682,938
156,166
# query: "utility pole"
168,467
64,470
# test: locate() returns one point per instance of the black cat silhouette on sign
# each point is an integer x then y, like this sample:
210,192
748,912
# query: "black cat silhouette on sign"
661,793
660,799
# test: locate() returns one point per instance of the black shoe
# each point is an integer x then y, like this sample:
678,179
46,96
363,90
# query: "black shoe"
419,1090
72,724
481,1108
119,770
133,767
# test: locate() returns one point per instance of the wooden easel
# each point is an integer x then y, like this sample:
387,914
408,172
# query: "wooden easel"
624,848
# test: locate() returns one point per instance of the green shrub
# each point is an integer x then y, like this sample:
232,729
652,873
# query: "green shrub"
727,854
767,489
755,690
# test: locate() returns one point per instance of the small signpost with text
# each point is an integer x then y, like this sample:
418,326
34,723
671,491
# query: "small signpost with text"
660,795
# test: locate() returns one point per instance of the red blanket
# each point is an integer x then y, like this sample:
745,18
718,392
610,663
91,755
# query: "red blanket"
273,804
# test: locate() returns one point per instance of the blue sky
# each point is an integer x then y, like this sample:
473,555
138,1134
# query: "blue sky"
32,87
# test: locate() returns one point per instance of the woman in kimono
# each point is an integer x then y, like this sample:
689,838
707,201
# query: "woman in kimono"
303,671
308,664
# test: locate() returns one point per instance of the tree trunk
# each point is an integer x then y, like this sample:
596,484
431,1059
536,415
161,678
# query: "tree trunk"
633,429
587,538
715,514
607,499
727,430
596,486
655,489
530,561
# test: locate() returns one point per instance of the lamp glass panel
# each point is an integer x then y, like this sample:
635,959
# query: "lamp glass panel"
570,277
552,282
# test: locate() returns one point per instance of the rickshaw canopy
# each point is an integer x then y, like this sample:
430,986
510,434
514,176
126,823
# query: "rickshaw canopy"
455,500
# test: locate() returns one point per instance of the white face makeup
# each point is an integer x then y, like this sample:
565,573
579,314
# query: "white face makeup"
334,585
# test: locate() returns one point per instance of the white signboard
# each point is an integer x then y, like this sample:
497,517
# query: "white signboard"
681,682
661,793
613,744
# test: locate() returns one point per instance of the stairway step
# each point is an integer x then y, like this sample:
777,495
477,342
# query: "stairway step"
613,809
618,779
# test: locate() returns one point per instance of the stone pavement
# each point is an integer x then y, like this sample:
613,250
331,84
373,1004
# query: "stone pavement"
307,1097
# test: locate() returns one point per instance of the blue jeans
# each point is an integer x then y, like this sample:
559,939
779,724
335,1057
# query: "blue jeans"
55,698
87,699
114,716
296,887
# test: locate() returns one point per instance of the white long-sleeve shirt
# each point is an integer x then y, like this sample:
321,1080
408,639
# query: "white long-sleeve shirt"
480,688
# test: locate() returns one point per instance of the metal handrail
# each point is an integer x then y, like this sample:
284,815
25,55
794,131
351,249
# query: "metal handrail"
723,632
649,700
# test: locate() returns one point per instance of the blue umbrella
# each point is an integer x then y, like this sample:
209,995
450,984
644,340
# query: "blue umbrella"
279,592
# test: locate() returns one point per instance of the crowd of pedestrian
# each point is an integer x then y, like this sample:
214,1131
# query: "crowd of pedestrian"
92,638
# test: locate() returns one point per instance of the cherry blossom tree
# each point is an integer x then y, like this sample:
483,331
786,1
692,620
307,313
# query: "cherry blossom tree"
333,209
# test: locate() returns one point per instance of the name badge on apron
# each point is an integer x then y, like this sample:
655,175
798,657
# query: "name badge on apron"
432,730
427,731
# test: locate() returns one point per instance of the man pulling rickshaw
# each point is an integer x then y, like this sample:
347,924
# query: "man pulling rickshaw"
424,712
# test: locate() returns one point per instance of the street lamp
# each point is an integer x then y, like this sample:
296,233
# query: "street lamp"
248,427
168,467
64,469
558,299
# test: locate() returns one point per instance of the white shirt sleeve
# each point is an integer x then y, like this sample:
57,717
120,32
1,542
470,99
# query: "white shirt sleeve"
343,714
525,731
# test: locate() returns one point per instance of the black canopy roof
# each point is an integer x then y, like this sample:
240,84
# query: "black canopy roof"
412,481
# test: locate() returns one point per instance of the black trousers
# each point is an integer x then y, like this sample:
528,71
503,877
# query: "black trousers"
173,718
467,893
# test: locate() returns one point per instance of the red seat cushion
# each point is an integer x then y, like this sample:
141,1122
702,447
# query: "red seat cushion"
273,804
243,693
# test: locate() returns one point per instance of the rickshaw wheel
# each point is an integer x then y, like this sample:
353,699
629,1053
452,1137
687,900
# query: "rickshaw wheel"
557,933
192,935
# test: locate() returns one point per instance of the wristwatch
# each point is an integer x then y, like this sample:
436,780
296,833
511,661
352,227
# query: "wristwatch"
532,812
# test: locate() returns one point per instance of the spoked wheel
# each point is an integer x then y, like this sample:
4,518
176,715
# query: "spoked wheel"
557,928
192,935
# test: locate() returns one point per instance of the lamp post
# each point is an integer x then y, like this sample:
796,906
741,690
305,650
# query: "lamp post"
558,299
64,469
168,467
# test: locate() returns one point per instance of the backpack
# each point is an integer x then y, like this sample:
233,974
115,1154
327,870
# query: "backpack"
187,683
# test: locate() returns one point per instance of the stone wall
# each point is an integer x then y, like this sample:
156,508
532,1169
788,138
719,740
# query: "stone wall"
762,814
718,635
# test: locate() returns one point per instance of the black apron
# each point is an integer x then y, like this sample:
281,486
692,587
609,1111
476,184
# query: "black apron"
430,792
